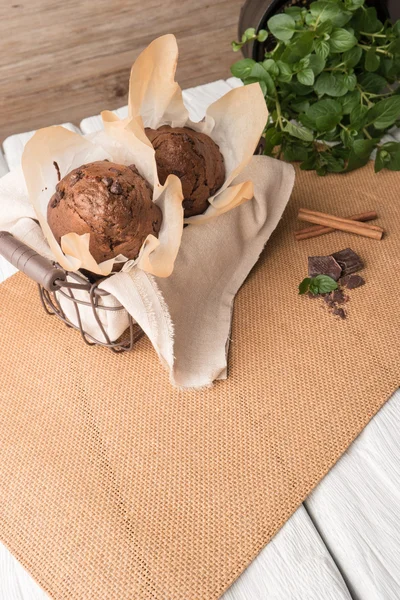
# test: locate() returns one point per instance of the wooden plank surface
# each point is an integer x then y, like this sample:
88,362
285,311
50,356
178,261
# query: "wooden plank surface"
63,61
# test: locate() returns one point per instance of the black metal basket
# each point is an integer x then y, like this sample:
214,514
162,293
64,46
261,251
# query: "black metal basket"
54,282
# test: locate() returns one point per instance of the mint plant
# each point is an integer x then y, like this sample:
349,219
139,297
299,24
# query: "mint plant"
330,81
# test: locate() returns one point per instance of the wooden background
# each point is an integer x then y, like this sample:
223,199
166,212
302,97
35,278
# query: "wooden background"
63,60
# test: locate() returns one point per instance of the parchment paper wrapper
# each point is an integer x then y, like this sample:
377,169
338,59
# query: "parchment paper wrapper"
235,122
71,150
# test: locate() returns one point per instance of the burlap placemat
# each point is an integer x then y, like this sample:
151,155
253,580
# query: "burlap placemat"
114,485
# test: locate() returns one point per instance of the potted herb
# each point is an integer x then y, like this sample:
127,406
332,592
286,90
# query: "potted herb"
330,80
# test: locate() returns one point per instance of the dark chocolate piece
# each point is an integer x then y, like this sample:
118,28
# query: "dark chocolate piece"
116,188
329,301
323,265
107,181
352,281
338,296
339,312
349,261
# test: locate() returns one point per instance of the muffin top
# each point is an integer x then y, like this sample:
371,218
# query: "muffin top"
195,158
112,202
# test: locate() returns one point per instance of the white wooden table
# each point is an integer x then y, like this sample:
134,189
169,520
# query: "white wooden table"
344,541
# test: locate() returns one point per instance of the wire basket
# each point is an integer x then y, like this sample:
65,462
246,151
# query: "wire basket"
55,283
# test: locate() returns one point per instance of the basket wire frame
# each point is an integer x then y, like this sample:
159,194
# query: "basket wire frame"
52,306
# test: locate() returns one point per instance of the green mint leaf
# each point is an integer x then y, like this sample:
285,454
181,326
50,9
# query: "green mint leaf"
358,116
384,113
388,156
236,46
304,285
325,108
360,154
282,26
250,33
262,35
295,150
331,84
314,289
285,72
366,20
350,101
301,106
324,284
372,82
299,49
363,148
294,11
300,132
341,40
353,5
326,114
271,67
306,76
372,60
316,63
258,72
242,68
342,18
352,57
307,122
350,81
324,11
322,48
325,27
310,163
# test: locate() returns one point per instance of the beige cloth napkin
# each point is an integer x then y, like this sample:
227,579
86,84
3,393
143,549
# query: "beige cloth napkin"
187,316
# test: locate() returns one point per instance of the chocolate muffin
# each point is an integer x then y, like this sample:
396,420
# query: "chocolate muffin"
195,158
111,202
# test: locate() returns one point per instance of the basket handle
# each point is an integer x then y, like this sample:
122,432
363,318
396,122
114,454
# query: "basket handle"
25,259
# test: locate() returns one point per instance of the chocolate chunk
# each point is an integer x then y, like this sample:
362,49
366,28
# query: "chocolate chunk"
352,281
339,312
107,181
114,170
116,188
329,301
349,261
187,204
323,265
75,177
338,296
55,200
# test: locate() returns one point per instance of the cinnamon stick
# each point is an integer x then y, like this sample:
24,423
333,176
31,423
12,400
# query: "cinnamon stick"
334,222
317,230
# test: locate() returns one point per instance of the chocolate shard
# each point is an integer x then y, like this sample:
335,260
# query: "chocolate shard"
338,296
349,261
340,312
324,265
352,281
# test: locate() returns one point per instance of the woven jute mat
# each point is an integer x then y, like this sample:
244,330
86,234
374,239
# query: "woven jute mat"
114,485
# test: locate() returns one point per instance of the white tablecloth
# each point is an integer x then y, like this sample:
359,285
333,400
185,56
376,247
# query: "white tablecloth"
344,541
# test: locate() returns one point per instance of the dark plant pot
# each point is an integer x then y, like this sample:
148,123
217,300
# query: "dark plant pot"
256,14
